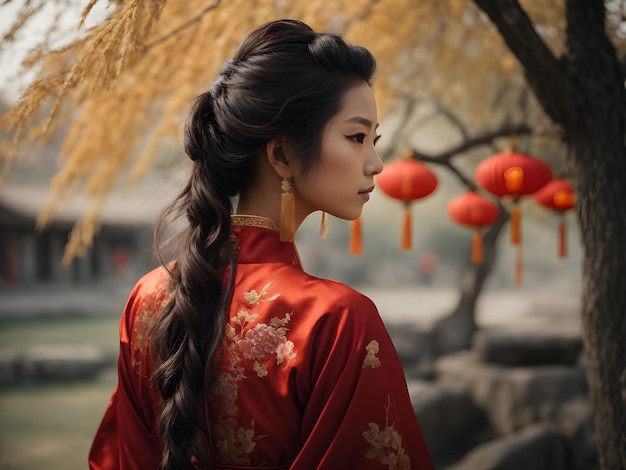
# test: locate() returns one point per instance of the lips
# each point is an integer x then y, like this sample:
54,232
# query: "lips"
365,194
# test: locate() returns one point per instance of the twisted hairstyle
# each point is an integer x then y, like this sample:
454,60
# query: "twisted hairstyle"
285,80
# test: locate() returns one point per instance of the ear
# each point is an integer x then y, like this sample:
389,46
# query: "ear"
276,150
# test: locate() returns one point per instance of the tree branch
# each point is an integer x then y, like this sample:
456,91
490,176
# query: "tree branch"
444,158
555,91
182,27
411,103
452,117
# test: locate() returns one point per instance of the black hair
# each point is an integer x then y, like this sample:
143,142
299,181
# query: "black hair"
284,80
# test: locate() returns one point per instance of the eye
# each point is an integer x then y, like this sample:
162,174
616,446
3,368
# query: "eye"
376,139
359,138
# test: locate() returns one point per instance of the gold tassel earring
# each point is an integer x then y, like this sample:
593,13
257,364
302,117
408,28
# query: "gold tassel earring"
324,225
287,212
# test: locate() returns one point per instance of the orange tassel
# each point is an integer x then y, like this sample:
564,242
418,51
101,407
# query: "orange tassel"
563,239
519,266
516,223
477,248
356,239
406,228
287,214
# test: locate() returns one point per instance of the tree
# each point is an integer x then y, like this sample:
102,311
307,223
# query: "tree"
152,56
583,91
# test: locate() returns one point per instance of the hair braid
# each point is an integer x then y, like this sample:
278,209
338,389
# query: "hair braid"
285,80
191,326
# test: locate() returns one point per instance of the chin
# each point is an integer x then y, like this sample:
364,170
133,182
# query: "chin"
349,216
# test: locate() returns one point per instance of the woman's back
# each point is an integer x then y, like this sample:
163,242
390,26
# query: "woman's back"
308,379
231,355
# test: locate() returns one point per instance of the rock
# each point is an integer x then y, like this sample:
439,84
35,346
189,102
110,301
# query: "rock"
420,371
513,397
412,343
535,394
575,422
465,368
536,448
61,362
526,349
449,418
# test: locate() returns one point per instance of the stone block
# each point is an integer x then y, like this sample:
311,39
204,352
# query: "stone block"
61,362
575,422
513,397
451,421
536,448
509,348
536,394
413,344
8,368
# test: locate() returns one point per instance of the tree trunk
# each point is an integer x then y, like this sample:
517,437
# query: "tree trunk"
454,332
584,93
600,162
602,191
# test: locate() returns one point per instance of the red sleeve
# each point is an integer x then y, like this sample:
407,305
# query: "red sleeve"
126,438
358,414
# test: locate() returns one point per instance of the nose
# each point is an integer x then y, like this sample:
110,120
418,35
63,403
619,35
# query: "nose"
373,163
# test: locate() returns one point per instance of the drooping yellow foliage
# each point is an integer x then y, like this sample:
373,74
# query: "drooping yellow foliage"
124,84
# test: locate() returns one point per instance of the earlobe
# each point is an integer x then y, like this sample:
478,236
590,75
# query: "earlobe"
277,156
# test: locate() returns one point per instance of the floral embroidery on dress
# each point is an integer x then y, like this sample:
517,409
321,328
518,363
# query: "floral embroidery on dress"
386,444
144,323
146,319
371,359
254,298
248,344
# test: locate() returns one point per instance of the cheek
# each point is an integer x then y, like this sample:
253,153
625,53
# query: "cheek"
340,159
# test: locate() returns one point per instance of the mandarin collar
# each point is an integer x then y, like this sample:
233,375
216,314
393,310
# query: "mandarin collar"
256,239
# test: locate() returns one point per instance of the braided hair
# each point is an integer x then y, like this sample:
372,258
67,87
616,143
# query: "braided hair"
285,79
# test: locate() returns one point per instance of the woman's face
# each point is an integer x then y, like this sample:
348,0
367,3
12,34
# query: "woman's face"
341,181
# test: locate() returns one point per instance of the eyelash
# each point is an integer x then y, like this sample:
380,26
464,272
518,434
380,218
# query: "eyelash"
360,137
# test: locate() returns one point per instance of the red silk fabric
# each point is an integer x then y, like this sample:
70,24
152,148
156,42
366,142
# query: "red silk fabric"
310,378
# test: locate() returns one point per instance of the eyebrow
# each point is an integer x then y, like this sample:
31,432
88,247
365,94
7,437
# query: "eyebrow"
361,120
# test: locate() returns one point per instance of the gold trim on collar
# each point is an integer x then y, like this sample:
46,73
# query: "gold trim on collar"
238,220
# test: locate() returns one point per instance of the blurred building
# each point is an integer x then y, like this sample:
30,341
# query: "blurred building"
31,257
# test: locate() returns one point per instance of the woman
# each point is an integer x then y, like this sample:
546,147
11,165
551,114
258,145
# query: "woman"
231,356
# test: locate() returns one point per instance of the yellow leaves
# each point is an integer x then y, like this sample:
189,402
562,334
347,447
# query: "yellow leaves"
86,11
23,16
113,46
508,63
127,82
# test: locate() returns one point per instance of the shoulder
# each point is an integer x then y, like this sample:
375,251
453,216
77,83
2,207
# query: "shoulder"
146,300
327,293
346,297
151,288
338,304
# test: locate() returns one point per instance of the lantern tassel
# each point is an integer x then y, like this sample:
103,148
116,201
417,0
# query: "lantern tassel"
406,228
519,266
477,248
563,238
356,238
516,222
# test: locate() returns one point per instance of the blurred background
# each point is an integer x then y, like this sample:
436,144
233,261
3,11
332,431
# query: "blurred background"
513,385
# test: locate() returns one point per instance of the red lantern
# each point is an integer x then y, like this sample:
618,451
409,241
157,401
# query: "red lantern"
558,195
475,211
407,180
515,175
